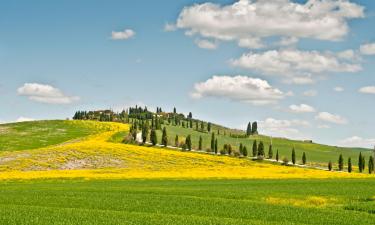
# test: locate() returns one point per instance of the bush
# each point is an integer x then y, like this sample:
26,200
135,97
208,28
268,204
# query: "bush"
285,161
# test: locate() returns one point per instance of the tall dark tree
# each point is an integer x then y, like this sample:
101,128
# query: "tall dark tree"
191,123
304,158
277,155
330,166
200,143
240,148
212,141
145,130
363,163
255,148
244,151
209,127
248,129
202,126
261,150
341,163
176,141
188,142
349,165
254,128
216,146
293,156
174,110
153,137
190,116
360,162
270,152
196,125
164,139
371,165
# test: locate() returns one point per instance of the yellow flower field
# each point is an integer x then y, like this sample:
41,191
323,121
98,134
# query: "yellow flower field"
95,158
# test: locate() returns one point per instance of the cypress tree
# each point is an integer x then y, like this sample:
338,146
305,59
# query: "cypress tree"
254,128
277,155
153,137
293,156
216,146
241,148
212,141
261,149
363,163
164,139
200,143
341,162
349,165
330,166
255,148
371,165
209,127
191,124
174,110
188,142
229,149
144,132
303,158
360,166
202,126
196,125
270,152
244,151
176,141
248,130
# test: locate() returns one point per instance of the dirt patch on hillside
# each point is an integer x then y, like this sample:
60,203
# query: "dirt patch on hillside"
4,130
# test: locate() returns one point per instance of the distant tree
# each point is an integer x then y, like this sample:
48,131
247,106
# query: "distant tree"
174,110
191,124
216,146
261,150
349,165
360,162
244,151
330,166
188,142
240,148
371,165
230,150
212,141
202,126
176,141
254,128
209,127
145,130
270,152
341,163
164,139
293,156
196,125
277,155
248,129
200,143
190,116
304,158
153,137
255,148
363,163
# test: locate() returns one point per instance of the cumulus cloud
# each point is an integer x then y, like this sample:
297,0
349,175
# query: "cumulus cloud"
300,67
302,108
310,93
367,90
169,27
206,44
283,128
45,93
331,118
356,141
338,89
123,35
368,49
246,19
238,88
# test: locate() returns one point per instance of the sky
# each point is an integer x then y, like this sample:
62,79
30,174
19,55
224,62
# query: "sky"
302,69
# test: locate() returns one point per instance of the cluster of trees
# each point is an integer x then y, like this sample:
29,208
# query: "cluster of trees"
361,164
101,115
252,128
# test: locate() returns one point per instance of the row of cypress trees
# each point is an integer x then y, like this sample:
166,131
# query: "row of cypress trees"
361,164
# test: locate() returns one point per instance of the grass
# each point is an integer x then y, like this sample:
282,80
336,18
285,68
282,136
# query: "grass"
38,134
317,154
187,202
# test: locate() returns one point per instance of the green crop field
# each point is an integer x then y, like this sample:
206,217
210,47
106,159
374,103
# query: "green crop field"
37,134
316,153
188,202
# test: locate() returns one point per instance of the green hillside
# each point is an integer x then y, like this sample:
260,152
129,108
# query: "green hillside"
37,134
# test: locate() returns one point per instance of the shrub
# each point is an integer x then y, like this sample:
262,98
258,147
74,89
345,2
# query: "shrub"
285,161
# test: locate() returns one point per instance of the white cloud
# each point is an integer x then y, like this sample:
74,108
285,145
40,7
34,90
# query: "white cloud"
246,19
310,93
367,90
283,128
368,49
45,93
169,27
302,108
123,35
348,55
357,141
206,44
24,119
252,43
331,118
238,88
286,41
338,89
295,66
323,126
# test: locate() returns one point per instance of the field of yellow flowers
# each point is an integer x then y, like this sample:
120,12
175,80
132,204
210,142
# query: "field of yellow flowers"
94,157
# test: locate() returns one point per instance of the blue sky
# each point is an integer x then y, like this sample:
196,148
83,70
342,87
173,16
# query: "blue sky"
280,67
